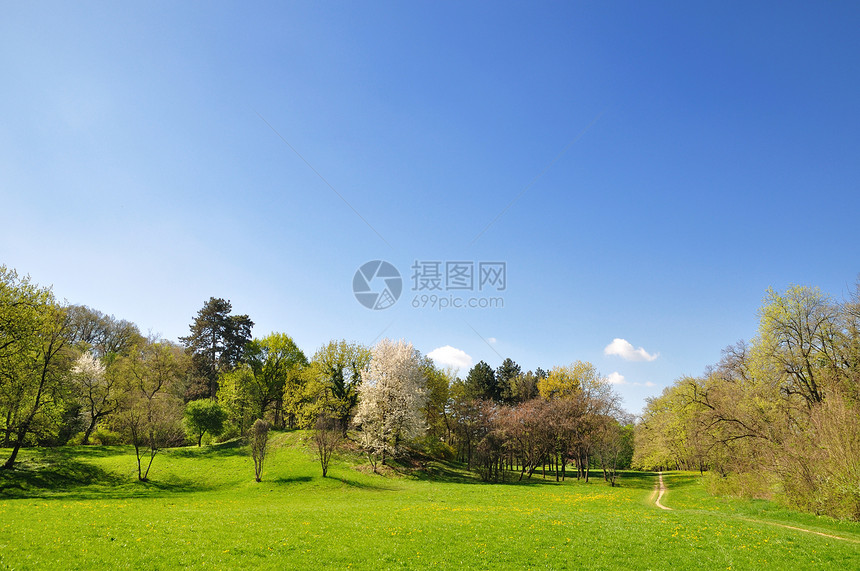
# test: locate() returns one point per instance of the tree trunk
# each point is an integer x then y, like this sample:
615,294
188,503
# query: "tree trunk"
8,432
89,431
18,441
139,472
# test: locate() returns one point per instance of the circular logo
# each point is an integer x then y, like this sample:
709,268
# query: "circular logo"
377,285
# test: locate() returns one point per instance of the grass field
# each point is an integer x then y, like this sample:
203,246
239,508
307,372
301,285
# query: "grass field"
77,508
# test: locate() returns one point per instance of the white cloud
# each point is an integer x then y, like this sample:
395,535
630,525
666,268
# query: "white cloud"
625,350
491,340
451,357
616,378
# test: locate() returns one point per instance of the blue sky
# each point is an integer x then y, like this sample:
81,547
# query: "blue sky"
664,165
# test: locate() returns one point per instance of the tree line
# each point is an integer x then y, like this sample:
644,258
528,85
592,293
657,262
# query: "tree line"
70,374
778,416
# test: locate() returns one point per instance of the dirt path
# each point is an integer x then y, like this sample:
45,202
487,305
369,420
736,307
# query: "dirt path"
799,529
660,489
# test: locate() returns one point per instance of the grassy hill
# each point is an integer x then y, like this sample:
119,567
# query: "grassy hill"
81,507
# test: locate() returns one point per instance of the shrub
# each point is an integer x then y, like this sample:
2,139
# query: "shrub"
104,437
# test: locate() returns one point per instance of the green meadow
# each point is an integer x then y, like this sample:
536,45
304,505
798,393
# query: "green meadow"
81,507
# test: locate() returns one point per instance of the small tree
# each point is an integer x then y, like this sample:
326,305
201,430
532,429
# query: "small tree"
259,443
151,416
202,416
328,434
96,389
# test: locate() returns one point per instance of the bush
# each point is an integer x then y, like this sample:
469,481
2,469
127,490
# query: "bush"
104,437
745,485
202,417
439,450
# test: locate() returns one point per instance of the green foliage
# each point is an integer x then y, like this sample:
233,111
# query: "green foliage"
105,437
35,361
338,368
568,381
275,363
779,417
481,383
217,342
439,449
506,376
202,416
235,399
259,437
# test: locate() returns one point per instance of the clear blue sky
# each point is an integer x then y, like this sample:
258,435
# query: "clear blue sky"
714,154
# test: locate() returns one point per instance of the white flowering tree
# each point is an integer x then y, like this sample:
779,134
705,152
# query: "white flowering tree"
96,391
391,397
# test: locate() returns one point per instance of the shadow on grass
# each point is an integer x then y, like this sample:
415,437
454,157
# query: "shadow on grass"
457,473
362,485
171,484
37,477
446,472
290,480
637,480
235,447
65,473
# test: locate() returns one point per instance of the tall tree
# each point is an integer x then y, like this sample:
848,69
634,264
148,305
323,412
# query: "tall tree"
437,406
35,359
217,343
103,334
506,376
481,383
391,398
339,365
273,360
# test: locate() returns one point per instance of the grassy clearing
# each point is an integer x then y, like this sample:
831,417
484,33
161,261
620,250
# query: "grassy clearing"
82,508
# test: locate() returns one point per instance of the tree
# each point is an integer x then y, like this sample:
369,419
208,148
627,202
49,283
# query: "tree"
506,376
467,419
327,436
614,445
35,358
437,404
800,330
151,414
391,396
566,382
523,387
481,383
273,361
217,343
96,389
526,427
202,416
259,446
235,399
104,335
340,365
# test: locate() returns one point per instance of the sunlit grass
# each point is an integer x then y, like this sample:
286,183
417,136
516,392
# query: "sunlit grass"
203,509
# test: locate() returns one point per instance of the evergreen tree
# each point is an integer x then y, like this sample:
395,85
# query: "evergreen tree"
481,383
216,343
